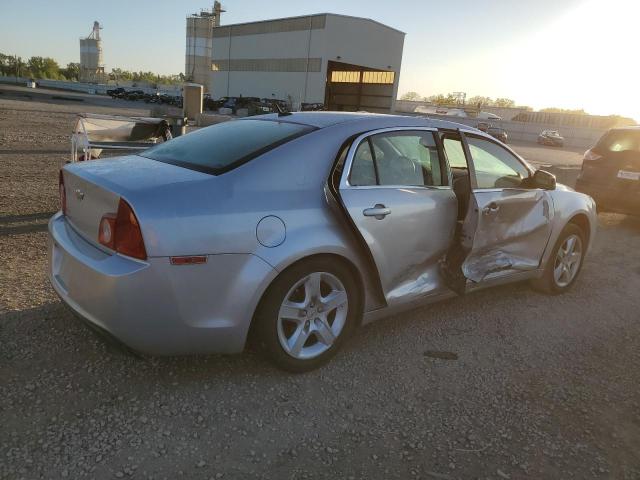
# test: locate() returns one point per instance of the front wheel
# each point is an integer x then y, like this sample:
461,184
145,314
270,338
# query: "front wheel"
565,262
307,314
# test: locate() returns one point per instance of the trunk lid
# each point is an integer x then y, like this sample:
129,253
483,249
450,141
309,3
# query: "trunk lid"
94,188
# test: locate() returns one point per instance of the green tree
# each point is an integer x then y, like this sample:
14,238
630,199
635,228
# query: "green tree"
72,72
43,67
578,111
504,102
12,65
119,74
6,62
480,101
411,96
441,99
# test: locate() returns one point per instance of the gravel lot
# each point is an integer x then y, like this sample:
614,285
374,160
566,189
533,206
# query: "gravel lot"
550,156
530,386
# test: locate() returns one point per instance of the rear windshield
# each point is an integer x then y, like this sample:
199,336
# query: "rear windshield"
620,141
222,147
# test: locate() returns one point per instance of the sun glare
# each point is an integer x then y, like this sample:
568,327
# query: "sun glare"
585,59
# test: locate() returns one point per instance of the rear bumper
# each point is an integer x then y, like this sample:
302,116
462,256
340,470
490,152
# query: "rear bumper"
155,307
610,199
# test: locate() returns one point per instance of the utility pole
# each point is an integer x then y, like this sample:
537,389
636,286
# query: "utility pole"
17,62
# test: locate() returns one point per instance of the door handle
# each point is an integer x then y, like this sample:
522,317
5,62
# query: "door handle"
493,207
379,211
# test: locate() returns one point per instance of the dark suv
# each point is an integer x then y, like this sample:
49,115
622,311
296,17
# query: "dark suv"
611,171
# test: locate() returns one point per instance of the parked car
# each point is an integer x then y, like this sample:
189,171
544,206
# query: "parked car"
170,99
313,107
611,171
483,126
116,92
551,138
488,116
293,229
133,95
208,103
234,103
498,133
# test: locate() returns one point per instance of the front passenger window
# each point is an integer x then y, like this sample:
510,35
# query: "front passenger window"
495,166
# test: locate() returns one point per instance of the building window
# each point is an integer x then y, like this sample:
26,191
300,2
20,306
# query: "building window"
385,78
345,77
267,65
378,77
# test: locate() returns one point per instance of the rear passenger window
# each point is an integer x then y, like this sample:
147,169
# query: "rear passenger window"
408,158
363,171
455,153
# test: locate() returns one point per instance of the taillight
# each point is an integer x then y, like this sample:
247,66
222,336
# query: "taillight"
590,156
121,232
128,236
63,193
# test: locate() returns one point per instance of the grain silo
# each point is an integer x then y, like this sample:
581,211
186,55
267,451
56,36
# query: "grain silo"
91,61
199,43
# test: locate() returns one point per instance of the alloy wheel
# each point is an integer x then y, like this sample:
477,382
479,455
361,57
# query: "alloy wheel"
312,315
567,262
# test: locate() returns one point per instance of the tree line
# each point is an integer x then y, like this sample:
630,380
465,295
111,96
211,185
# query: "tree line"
37,67
48,68
451,99
480,101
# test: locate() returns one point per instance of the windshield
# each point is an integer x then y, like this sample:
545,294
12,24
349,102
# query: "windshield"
222,147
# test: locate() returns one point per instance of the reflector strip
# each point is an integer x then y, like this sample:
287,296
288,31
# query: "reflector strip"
196,260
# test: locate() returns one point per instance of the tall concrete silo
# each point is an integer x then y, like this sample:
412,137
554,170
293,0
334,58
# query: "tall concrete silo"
91,61
199,44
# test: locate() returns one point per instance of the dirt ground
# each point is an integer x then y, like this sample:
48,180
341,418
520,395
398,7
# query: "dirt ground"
531,386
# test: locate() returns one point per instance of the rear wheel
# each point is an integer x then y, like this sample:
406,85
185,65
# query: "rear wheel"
565,262
307,314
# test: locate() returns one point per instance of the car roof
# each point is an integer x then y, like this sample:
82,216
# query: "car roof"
327,119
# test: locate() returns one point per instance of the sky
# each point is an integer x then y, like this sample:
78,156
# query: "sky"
541,53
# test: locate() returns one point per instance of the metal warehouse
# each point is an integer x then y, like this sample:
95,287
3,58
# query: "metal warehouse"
347,63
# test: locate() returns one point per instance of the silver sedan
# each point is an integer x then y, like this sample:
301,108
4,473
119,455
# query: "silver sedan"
292,230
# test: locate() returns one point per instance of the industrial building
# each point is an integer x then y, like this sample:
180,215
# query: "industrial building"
91,61
347,63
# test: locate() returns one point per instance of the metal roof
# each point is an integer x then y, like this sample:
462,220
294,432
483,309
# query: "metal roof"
314,15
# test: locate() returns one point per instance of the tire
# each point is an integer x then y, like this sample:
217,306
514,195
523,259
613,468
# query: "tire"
552,284
297,332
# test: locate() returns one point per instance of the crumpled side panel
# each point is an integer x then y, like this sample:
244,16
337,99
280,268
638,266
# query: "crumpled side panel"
512,237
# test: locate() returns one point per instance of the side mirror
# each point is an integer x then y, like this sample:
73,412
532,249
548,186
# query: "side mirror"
543,179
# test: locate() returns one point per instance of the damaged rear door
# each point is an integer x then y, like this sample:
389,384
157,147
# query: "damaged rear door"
508,225
395,189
